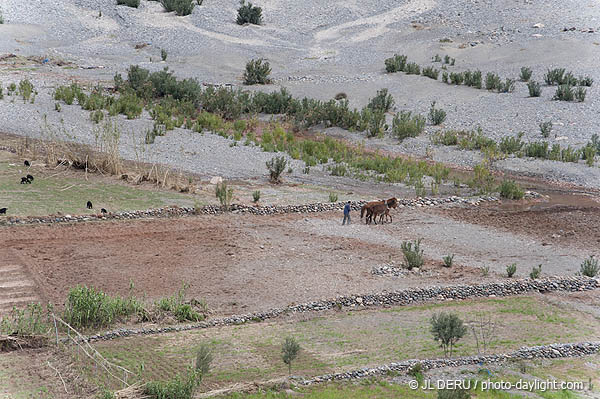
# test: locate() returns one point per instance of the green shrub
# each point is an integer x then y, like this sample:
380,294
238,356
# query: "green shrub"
383,101
483,179
204,358
338,170
589,154
511,145
180,387
546,128
537,150
413,254
448,260
397,63
406,125
163,54
507,87
586,81
473,79
375,120
580,93
412,68
525,74
333,197
564,93
256,196
181,7
445,77
535,89
289,352
257,72
510,190
249,14
554,76
25,89
457,78
447,329
492,81
97,116
535,272
458,393
276,166
1,20
340,96
129,3
436,116
224,194
511,269
431,72
589,267
449,137
33,320
88,307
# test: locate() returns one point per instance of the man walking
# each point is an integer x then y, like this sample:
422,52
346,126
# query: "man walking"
346,213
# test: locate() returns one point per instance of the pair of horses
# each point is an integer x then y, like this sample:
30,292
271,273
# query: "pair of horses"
378,208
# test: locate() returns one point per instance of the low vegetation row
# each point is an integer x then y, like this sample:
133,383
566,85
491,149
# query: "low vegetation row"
514,145
569,87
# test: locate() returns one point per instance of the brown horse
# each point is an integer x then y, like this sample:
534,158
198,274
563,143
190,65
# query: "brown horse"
381,211
391,203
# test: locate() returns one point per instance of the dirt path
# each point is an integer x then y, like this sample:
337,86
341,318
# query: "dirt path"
17,288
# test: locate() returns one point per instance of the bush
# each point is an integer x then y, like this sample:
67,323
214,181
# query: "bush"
397,63
289,352
180,387
339,96
589,154
257,72
449,137
554,76
249,14
412,68
406,125
510,190
447,329
473,79
333,197
507,87
580,94
413,254
457,78
525,74
585,81
383,101
589,267
256,196
483,178
276,166
511,145
445,77
163,54
511,270
436,116
431,72
546,128
458,393
224,194
535,272
25,89
87,307
535,89
564,93
448,260
129,3
204,358
181,7
492,81
537,150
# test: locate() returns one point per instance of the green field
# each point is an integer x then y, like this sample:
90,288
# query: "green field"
67,192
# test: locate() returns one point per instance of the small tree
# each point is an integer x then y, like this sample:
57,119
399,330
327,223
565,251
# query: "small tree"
589,267
257,72
290,351
204,358
276,166
413,254
448,329
484,331
224,194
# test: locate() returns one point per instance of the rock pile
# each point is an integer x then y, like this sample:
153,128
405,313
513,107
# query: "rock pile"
397,298
536,352
175,211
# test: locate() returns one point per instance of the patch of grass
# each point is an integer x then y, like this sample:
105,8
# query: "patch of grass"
564,93
333,197
431,72
526,73
535,89
510,190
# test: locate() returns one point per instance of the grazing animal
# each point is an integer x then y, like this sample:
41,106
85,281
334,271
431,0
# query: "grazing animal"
103,210
27,163
89,205
30,178
25,180
2,211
